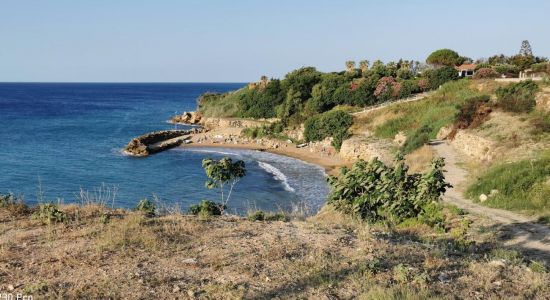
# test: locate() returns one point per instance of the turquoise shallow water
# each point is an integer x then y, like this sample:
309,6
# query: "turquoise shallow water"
65,137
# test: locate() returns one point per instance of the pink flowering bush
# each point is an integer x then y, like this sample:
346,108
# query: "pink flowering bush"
387,88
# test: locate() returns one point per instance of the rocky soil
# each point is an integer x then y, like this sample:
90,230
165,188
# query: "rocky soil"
101,253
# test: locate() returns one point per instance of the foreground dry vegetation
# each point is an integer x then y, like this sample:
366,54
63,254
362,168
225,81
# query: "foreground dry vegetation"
102,253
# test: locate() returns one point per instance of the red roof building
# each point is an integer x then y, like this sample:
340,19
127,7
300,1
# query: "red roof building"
466,70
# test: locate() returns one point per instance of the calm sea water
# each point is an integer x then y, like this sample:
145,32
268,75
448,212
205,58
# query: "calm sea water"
64,137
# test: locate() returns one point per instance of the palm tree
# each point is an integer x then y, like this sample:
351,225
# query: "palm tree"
364,65
350,65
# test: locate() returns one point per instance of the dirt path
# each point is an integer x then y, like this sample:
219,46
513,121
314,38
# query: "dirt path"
514,230
382,105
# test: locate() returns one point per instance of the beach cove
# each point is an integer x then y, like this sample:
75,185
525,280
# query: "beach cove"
84,126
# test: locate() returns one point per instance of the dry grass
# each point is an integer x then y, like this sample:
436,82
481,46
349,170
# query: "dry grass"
327,256
420,159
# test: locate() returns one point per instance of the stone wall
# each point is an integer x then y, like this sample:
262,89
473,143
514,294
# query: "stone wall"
212,123
296,134
543,100
476,147
366,148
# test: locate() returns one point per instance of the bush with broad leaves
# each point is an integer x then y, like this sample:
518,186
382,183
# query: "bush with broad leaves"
376,192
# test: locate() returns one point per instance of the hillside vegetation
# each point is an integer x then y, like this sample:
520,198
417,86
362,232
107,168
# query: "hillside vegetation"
305,95
421,121
506,115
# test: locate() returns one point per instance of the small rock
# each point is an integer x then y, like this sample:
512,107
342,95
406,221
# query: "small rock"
498,263
189,261
11,287
176,289
191,293
443,277
497,283
400,138
483,198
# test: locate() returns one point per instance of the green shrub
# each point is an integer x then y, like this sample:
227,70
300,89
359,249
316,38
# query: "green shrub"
419,138
261,101
401,273
511,256
334,123
537,266
541,67
207,208
438,77
541,123
13,204
273,130
7,200
257,216
507,69
50,213
262,216
517,97
376,192
432,215
147,207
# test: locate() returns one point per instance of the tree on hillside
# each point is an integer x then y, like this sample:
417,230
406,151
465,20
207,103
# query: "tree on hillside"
377,63
522,61
350,65
290,111
525,49
364,65
302,80
443,57
221,173
438,77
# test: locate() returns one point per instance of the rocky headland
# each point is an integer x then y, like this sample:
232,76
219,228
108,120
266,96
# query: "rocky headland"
158,141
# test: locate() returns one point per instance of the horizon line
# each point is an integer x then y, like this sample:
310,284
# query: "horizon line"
127,82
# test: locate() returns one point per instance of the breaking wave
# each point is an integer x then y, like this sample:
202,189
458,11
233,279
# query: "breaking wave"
277,174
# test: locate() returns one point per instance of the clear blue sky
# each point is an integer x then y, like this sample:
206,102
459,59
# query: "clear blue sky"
236,41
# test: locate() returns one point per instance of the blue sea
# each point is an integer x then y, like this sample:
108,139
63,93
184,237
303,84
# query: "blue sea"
60,138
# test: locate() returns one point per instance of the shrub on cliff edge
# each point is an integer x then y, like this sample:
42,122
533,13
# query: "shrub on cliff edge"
517,97
333,124
376,192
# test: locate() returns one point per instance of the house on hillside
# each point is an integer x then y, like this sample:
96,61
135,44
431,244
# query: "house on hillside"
532,74
466,70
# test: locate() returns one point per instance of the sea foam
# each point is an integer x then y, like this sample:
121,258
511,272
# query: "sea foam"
277,174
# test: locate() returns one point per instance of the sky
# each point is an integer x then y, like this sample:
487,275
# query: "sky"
239,41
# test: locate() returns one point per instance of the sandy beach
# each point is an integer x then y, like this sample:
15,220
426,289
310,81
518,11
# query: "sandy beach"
330,162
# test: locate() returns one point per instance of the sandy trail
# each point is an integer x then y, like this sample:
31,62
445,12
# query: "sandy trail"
515,230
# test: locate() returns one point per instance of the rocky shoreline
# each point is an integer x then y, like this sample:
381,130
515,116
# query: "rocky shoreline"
227,132
158,141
